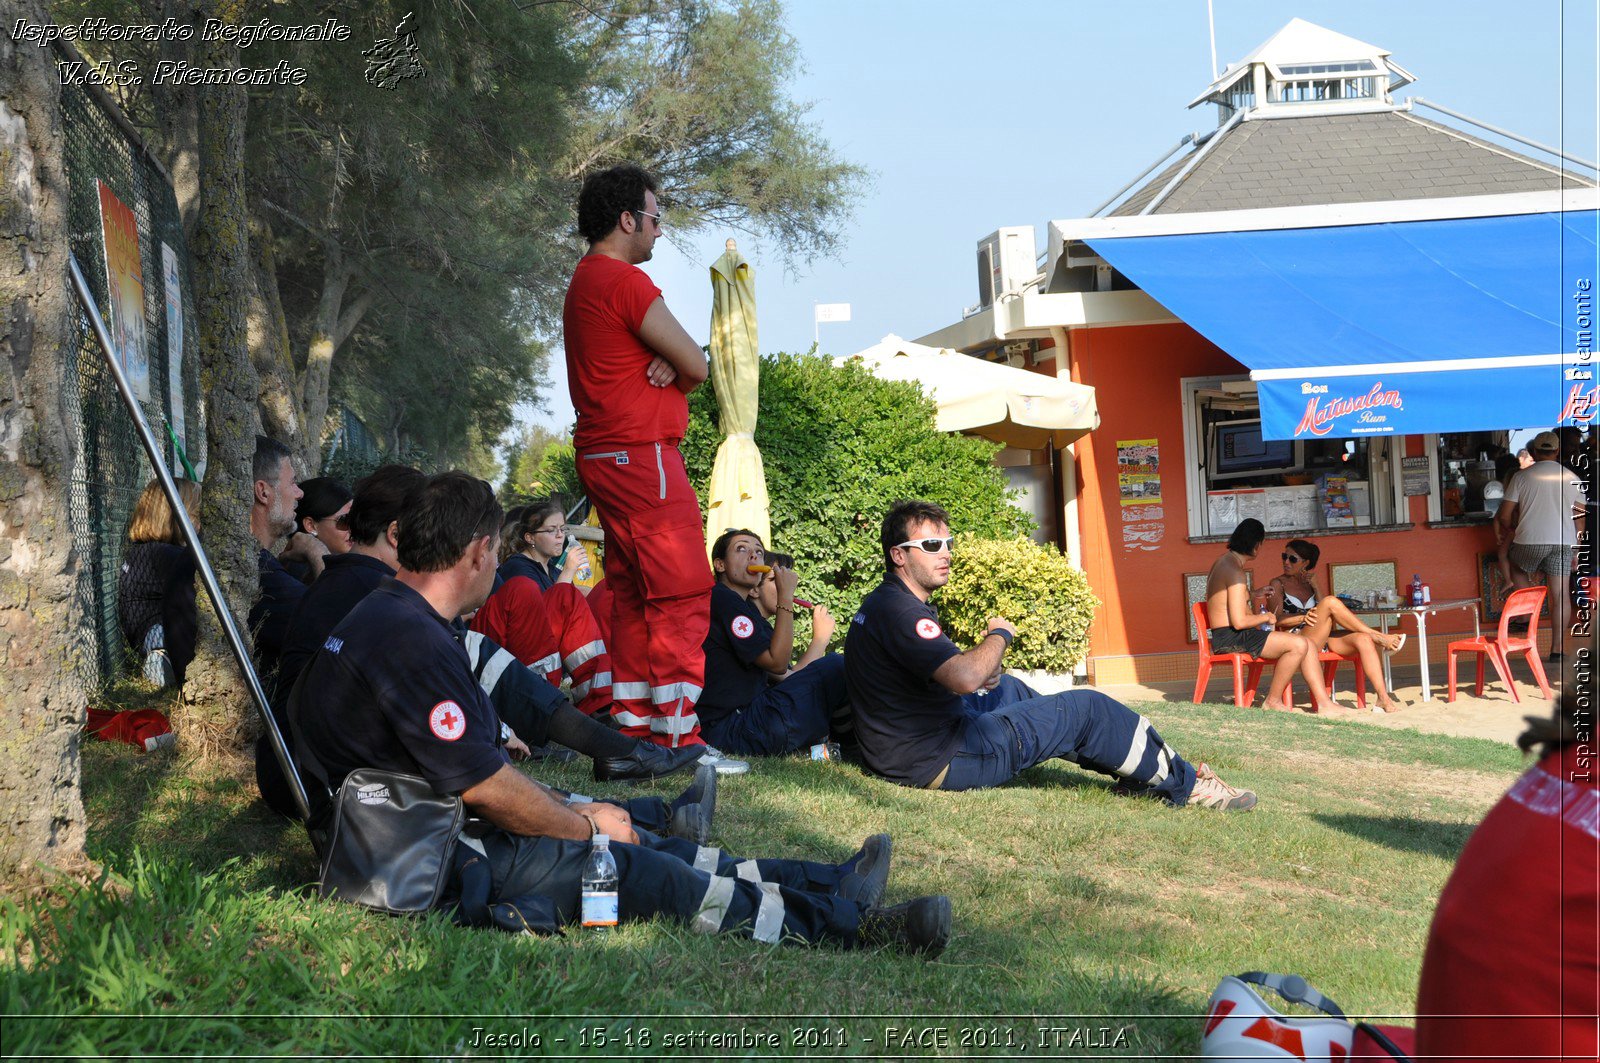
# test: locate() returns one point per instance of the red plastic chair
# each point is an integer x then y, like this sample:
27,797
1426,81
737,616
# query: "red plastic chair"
1246,669
1499,647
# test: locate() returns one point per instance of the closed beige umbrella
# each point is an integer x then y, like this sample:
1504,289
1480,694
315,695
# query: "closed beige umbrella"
738,496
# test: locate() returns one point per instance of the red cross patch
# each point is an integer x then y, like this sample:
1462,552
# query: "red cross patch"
447,721
742,627
928,629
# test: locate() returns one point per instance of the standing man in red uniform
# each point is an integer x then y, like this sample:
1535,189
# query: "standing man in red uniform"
631,366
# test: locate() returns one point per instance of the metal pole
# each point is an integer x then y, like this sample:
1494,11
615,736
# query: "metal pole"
1505,133
203,563
1211,24
1144,173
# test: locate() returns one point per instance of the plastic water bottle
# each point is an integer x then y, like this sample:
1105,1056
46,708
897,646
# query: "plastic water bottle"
825,751
1416,589
583,573
600,886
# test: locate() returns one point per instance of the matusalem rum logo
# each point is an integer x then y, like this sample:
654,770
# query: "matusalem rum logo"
1323,413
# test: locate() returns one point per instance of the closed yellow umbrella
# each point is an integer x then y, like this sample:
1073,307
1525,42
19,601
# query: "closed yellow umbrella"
738,496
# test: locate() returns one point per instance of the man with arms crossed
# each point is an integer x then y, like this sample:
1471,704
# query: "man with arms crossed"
1237,627
631,366
929,715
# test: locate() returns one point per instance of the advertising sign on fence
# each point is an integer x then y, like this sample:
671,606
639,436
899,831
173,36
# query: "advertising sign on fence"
169,274
125,290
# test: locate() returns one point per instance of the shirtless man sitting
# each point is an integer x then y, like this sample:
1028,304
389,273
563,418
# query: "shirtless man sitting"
1236,627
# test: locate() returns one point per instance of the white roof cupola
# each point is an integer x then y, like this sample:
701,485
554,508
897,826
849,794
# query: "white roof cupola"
1305,69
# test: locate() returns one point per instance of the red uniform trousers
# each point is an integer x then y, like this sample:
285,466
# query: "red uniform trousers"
553,633
600,606
660,585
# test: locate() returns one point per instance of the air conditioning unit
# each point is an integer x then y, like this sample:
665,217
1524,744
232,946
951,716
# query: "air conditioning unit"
1006,261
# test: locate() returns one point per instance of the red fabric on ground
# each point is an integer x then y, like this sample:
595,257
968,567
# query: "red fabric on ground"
133,726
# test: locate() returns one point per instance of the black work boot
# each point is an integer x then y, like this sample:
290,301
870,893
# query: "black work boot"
866,884
692,821
702,791
920,927
647,761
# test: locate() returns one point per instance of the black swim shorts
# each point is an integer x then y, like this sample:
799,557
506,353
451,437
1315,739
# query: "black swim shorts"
1251,640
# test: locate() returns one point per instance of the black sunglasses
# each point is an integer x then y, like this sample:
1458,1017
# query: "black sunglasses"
1290,558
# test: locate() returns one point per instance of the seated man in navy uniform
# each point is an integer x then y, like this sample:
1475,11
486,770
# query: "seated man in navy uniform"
744,709
929,715
522,698
393,689
274,492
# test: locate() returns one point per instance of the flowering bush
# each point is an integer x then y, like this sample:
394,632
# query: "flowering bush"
1030,585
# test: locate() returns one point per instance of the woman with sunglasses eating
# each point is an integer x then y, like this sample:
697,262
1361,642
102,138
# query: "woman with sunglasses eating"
320,513
1299,606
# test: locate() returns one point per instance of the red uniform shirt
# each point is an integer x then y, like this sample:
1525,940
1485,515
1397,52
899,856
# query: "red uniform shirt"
1516,936
606,361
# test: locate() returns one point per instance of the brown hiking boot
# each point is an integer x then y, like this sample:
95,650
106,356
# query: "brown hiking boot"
1211,792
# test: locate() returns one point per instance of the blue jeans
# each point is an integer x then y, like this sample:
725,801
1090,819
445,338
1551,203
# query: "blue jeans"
785,718
1012,728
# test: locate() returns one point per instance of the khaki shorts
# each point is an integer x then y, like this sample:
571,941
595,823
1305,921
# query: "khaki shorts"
1554,561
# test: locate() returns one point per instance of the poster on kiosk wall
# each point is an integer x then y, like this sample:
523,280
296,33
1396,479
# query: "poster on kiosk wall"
124,290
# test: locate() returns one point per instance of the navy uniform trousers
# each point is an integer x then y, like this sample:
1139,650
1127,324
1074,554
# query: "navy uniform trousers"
785,717
1012,728
706,888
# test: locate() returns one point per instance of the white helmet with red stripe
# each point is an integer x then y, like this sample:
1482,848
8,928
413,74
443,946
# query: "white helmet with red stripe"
1240,1025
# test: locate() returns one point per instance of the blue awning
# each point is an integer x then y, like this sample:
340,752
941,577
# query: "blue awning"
1441,325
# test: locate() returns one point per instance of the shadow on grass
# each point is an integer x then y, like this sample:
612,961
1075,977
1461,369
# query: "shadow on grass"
1403,834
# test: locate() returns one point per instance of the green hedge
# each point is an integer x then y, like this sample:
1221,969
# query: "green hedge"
839,447
1030,585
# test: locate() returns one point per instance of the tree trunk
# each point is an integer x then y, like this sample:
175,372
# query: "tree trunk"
43,692
281,415
335,321
218,710
177,116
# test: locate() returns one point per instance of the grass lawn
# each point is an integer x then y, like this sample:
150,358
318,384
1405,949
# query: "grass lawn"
1107,919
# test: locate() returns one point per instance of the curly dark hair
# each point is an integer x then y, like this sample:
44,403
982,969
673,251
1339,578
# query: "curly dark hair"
607,195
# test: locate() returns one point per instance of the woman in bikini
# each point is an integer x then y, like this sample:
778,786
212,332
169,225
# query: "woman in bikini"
1300,606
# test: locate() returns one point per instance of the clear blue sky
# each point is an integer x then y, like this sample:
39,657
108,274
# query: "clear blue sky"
972,116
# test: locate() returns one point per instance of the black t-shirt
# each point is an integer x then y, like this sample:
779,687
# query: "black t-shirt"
391,688
346,579
523,565
908,725
737,636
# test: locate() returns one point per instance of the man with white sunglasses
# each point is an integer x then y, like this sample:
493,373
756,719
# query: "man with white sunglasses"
929,715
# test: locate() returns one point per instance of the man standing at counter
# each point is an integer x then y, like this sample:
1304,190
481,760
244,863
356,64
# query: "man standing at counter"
1537,526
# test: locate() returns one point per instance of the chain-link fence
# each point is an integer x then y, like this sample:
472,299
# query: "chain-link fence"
110,467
